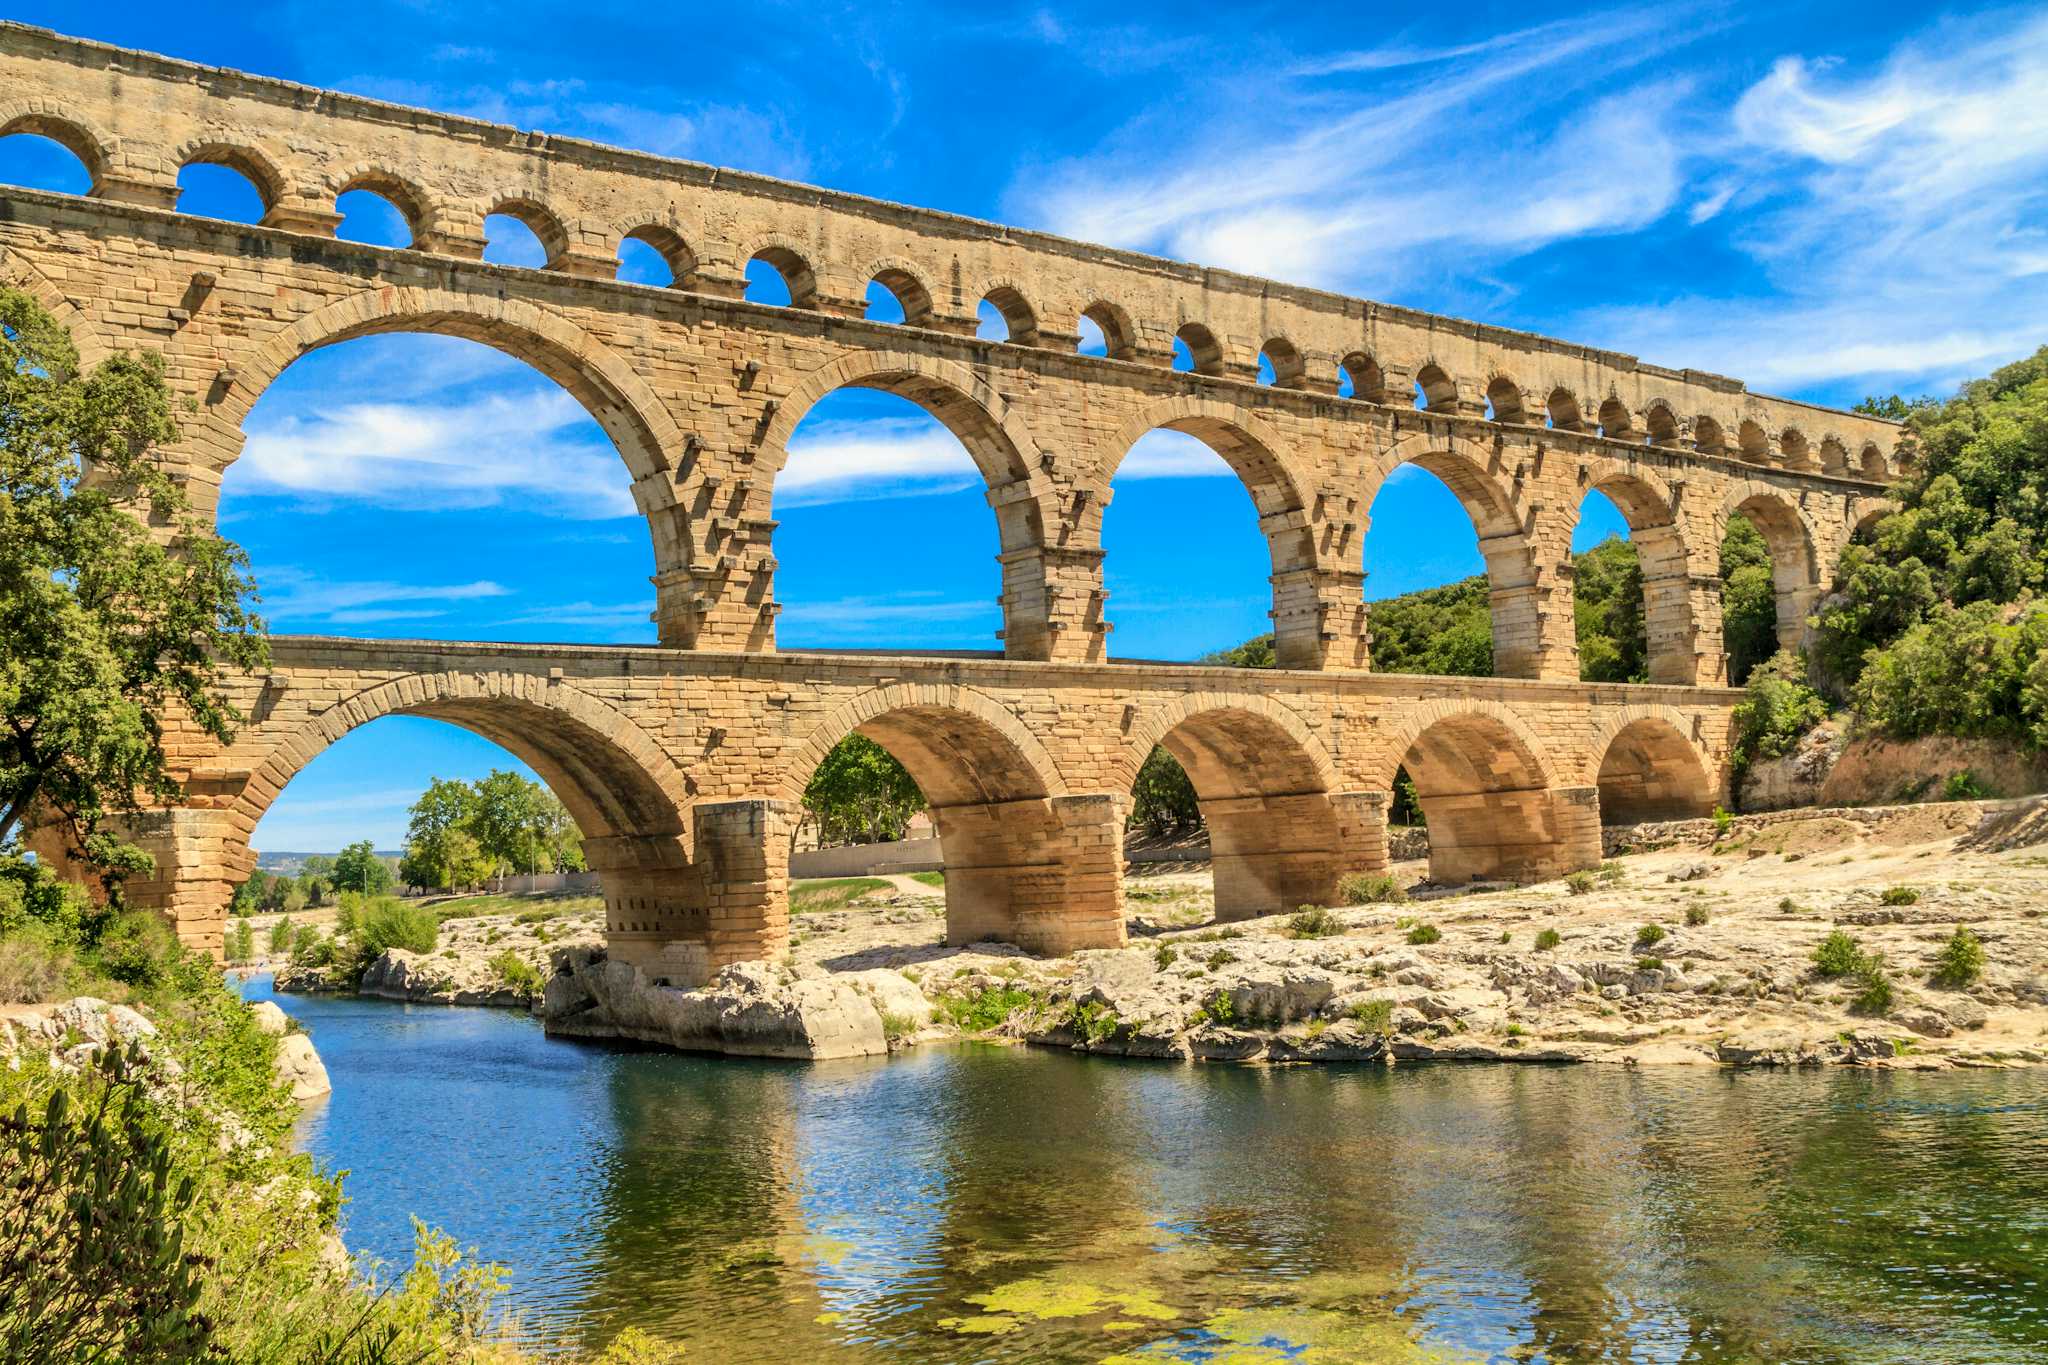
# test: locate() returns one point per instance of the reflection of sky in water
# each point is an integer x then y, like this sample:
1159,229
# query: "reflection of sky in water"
986,1203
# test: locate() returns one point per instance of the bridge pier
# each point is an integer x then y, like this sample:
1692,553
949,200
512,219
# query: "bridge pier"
1043,873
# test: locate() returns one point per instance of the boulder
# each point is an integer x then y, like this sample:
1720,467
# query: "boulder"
748,1009
1769,1047
299,1066
271,1019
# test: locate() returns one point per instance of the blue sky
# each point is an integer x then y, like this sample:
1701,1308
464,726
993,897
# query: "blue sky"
1824,199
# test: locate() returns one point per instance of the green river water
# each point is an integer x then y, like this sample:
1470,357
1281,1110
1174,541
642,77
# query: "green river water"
973,1202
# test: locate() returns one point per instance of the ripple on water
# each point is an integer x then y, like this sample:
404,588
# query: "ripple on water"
981,1203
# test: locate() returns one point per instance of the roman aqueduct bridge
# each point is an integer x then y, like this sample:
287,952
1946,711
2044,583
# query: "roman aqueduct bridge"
682,763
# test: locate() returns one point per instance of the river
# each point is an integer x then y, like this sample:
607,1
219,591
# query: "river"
973,1202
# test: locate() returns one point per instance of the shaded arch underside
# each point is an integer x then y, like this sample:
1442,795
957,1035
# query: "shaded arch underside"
1485,795
1650,771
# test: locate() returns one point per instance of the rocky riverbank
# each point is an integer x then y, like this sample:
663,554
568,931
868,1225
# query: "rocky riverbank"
1697,947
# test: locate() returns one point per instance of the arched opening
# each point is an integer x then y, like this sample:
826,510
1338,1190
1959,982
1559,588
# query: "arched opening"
1753,444
656,256
522,233
1834,456
992,795
1435,390
1005,315
1652,772
777,276
1485,796
1358,376
1504,401
881,512
374,218
1195,349
1562,409
1631,591
1185,482
1173,489
224,185
1660,426
1448,576
896,295
1707,436
553,784
1263,797
1616,422
42,155
1780,533
1106,330
454,449
1795,448
1871,463
1281,366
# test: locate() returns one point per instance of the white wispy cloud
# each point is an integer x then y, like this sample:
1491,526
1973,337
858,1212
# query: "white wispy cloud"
888,457
587,615
908,618
295,599
478,450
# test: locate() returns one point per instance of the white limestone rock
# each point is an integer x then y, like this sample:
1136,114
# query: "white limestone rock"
299,1066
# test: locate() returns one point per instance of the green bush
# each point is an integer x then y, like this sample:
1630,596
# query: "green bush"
1163,956
1374,1016
241,942
985,1009
1722,820
1962,960
387,923
1424,933
1875,995
1962,671
1371,888
1899,895
1649,935
1964,786
1579,883
1612,871
1777,707
35,964
1695,915
1838,955
1649,964
281,937
1547,939
517,973
136,949
1313,921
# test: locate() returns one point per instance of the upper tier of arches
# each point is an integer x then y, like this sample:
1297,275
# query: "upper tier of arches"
145,118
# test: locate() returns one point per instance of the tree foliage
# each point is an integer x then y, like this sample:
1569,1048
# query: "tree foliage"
358,868
109,628
1163,799
860,794
462,833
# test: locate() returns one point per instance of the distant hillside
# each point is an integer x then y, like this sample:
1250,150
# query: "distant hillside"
290,863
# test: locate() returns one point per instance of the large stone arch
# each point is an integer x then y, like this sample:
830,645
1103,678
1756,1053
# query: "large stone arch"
1679,641
1478,478
1489,793
1649,765
626,795
1265,786
1025,862
1282,498
1794,548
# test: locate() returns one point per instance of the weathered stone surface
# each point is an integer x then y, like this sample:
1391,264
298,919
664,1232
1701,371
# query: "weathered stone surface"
750,1009
299,1066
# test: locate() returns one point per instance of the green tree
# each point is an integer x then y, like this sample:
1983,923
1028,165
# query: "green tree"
1163,799
860,794
447,860
512,820
106,624
359,869
1749,599
1607,608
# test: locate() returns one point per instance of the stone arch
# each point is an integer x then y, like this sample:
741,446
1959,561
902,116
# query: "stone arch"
1204,350
1487,791
667,241
1708,437
1368,380
57,122
1795,556
906,286
1264,784
1795,450
1506,397
1660,423
253,163
1834,456
1562,408
1439,392
1025,862
1752,442
1870,463
1279,492
412,202
542,221
1617,423
1119,333
1290,371
791,261
1646,503
1648,767
1014,305
17,270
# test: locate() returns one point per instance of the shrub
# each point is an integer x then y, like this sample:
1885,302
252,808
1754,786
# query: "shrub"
137,949
1722,820
1611,871
1649,964
1371,888
281,937
1649,934
895,1027
1875,997
1776,709
1962,960
1695,915
1962,671
1313,921
390,923
517,973
1838,955
1899,895
1579,883
311,948
1163,956
1546,939
1424,933
35,964
984,1009
241,942
1374,1016
1964,786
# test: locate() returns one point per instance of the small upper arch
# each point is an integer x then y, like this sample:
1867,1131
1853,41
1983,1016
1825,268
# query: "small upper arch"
1504,395
251,163
1013,306
1119,334
1435,389
1661,424
540,220
1871,463
1753,441
46,118
1795,448
1707,436
1204,351
787,261
404,195
905,285
1562,407
1364,377
1834,456
1290,371
665,240
1617,423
